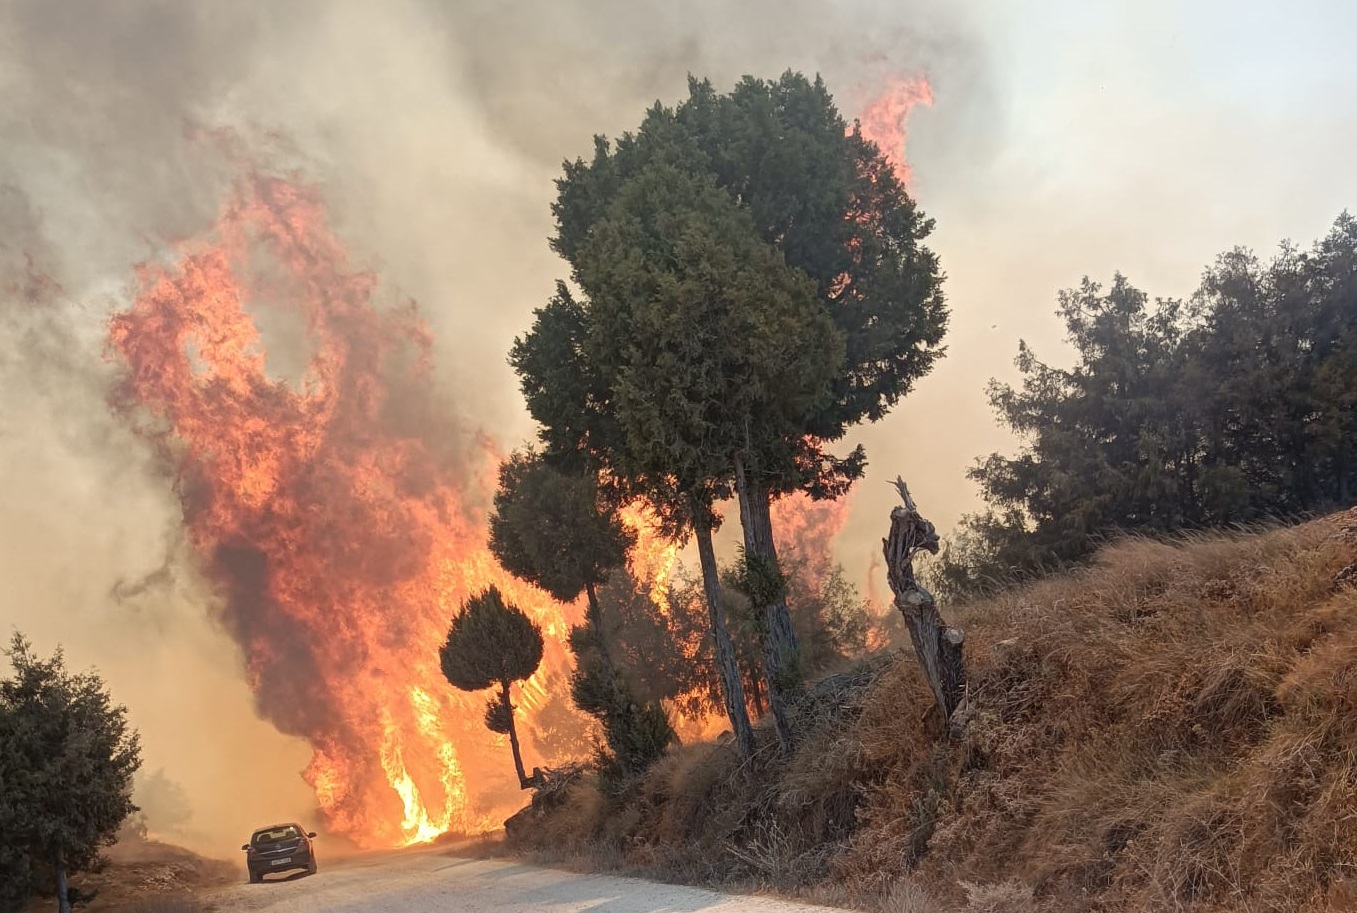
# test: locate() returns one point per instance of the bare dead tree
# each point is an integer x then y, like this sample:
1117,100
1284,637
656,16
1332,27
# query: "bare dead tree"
936,644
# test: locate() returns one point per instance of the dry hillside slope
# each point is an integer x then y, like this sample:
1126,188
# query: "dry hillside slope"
1174,728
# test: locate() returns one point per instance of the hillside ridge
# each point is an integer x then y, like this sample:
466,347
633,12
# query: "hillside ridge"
1172,728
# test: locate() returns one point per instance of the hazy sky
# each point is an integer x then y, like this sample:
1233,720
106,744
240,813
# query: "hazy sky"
1067,138
1140,137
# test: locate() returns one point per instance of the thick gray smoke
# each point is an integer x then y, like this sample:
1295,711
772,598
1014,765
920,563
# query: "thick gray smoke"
436,129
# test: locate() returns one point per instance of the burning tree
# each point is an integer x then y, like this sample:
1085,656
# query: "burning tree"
492,643
828,205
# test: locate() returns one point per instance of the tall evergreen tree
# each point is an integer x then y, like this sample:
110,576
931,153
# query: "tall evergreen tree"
701,335
1235,406
828,202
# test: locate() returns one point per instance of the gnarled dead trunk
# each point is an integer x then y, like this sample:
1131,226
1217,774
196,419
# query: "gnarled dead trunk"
936,644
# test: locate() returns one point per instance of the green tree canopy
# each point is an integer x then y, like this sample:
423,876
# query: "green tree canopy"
821,199
557,531
554,529
491,642
829,202
1235,406
67,759
708,339
816,190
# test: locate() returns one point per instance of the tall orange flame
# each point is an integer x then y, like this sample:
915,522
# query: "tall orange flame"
331,513
805,530
652,558
885,119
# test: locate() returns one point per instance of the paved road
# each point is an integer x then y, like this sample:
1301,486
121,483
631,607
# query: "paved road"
430,880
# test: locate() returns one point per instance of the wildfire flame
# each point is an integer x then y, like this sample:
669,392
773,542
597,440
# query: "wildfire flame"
329,512
885,119
805,530
334,517
652,558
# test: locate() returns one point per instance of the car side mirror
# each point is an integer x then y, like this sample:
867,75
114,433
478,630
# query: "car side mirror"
245,847
311,834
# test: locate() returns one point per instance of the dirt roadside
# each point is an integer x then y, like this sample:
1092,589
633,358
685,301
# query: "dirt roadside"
146,872
434,880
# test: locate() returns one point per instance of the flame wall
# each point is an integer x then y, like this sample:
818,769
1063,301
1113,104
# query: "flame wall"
328,512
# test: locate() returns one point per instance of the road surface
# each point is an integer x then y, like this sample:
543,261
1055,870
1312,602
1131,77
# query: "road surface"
429,881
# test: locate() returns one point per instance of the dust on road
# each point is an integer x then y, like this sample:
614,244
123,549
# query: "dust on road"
434,881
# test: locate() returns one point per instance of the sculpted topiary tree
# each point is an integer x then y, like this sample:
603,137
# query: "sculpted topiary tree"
491,642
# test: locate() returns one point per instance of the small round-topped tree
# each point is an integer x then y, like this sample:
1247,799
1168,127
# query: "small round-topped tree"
490,643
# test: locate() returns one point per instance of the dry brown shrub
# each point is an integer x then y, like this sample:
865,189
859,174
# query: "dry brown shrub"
580,816
1006,897
907,896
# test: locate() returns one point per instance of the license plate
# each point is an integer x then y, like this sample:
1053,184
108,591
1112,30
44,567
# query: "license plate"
281,861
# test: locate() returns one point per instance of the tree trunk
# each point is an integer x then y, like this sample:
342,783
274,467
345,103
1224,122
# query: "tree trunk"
756,694
596,625
780,665
523,781
618,709
1344,491
732,689
63,895
937,645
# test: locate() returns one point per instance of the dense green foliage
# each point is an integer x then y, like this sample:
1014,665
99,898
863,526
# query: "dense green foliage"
636,730
553,529
491,642
754,283
1238,405
829,203
708,338
67,759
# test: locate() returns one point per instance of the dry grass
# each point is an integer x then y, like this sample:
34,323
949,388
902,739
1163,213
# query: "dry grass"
1172,729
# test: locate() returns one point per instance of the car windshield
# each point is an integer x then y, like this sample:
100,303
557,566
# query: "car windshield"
278,833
